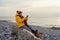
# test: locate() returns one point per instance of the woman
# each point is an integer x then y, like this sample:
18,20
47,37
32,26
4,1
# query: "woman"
22,23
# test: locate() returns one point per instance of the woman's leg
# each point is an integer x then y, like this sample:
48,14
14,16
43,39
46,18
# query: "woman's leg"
25,27
26,24
28,28
33,31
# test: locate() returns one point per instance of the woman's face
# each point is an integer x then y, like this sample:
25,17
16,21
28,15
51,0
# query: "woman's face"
20,14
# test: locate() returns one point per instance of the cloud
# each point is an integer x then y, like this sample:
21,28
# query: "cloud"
33,3
39,7
12,3
10,6
45,3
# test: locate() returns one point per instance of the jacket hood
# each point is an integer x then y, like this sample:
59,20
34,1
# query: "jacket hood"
17,14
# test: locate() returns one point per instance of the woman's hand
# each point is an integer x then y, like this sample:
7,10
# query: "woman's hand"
27,16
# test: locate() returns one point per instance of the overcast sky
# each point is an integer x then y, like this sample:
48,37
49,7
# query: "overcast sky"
9,7
33,8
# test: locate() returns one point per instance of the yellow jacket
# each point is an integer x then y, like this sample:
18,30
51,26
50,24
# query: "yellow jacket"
20,21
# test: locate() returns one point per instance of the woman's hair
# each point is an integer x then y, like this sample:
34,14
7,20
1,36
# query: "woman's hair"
19,11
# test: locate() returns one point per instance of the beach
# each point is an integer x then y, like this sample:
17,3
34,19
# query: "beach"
6,28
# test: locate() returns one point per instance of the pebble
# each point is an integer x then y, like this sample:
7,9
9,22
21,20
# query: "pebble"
7,28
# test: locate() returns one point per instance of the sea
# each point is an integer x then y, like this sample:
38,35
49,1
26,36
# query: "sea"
41,21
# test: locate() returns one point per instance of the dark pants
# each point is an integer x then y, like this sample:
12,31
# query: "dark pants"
28,28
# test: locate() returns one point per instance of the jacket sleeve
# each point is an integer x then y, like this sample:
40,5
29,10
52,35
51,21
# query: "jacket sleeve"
18,19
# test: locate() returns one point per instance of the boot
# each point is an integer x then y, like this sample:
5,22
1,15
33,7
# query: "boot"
37,34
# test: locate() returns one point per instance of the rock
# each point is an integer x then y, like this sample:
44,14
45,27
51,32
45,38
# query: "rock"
9,31
5,31
26,35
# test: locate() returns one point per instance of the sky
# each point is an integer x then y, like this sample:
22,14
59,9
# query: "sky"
39,9
33,6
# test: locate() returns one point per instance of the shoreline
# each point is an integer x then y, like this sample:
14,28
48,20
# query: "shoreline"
32,24
6,27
